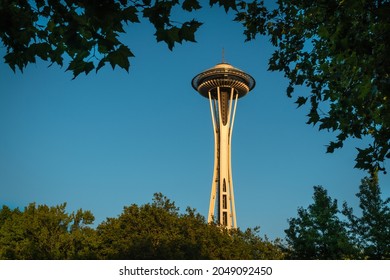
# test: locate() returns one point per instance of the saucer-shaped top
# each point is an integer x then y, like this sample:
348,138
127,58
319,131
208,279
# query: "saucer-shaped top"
225,76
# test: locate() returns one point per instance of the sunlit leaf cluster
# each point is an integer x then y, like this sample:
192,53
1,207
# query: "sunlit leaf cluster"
154,230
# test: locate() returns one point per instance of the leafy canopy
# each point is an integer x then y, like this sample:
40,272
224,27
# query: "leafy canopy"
158,230
371,231
154,230
42,232
86,32
339,49
317,232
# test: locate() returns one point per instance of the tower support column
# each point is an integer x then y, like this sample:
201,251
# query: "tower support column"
222,207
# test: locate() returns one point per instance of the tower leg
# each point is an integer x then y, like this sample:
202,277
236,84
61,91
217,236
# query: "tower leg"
213,195
222,196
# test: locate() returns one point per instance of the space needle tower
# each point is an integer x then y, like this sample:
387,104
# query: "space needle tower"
223,85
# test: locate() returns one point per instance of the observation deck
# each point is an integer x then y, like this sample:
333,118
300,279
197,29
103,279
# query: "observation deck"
223,75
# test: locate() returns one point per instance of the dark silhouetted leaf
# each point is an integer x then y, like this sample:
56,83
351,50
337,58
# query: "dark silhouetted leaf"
190,5
301,101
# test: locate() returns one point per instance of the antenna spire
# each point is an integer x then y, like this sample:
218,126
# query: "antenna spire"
223,55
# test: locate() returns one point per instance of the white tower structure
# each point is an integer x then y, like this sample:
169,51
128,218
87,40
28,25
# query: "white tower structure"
223,85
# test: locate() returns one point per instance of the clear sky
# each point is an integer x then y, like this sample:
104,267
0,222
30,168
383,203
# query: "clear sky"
111,139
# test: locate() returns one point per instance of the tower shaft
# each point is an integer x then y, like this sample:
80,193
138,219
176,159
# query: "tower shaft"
223,102
223,85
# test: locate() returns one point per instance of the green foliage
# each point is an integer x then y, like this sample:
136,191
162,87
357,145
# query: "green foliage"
339,49
159,231
42,232
152,231
317,232
370,231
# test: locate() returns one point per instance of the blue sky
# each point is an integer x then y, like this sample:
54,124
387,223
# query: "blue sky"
111,139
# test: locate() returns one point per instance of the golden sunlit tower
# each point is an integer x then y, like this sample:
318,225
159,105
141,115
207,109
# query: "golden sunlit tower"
223,85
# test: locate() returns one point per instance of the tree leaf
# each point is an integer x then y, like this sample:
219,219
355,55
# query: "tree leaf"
187,31
227,4
190,5
119,57
80,66
130,14
301,101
